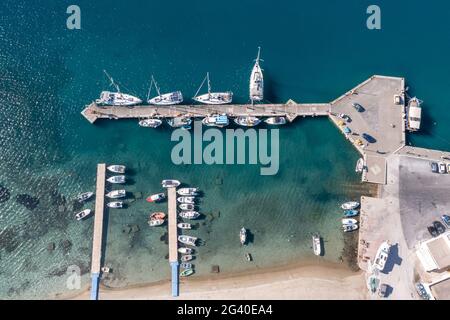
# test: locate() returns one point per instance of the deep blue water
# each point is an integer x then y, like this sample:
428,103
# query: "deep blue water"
312,51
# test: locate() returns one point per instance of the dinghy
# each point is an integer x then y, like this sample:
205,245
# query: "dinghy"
83,214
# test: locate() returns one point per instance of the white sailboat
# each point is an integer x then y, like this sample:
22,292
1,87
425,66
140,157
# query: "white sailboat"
118,98
212,97
257,81
166,99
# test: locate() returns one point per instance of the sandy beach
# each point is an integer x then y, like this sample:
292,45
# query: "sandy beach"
306,281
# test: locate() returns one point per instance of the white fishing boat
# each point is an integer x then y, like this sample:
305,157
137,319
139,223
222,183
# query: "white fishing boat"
414,112
187,257
150,123
350,205
185,250
349,221
116,98
212,97
166,99
257,81
275,121
83,214
359,165
382,256
243,236
189,240
349,227
155,222
84,196
156,197
187,206
186,265
317,245
187,191
185,226
247,121
189,214
218,120
116,194
170,183
116,179
180,122
190,200
115,204
116,168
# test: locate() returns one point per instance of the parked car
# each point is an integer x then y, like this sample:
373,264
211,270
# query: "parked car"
358,107
434,167
421,291
432,230
439,227
446,219
442,167
369,138
382,290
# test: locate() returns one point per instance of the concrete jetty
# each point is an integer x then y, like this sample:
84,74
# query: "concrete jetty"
173,238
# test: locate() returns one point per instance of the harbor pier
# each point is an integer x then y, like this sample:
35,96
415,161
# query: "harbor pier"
98,230
173,238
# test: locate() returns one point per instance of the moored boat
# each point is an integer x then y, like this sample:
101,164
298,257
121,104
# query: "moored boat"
155,222
186,265
349,227
170,183
189,200
275,121
183,225
359,165
350,205
218,120
186,257
186,272
185,250
115,204
382,256
248,256
165,99
350,213
83,214
189,214
187,191
157,215
156,197
116,179
243,236
116,194
317,245
116,168
150,123
349,221
187,206
84,196
116,98
257,81
180,122
212,97
247,121
189,240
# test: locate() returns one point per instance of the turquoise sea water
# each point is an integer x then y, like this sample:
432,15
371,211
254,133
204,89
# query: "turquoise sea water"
313,52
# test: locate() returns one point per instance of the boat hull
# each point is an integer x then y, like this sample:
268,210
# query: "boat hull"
167,99
215,98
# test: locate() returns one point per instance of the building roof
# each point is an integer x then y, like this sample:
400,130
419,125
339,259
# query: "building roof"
435,253
441,290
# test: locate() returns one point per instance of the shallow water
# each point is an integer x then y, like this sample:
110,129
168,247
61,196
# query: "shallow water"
48,151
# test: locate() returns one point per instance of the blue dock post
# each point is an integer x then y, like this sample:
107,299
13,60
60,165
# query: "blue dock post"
175,283
94,286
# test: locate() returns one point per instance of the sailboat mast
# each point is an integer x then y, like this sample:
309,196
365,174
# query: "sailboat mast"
209,84
156,86
201,86
112,81
259,51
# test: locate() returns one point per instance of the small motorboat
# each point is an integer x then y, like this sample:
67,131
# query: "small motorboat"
156,197
157,215
186,265
351,213
116,194
186,272
350,205
243,236
186,257
317,244
183,225
116,168
248,121
150,123
187,191
216,121
185,250
155,222
359,165
84,196
349,227
187,206
83,214
189,200
116,179
382,255
275,121
170,183
248,256
115,204
105,269
189,214
188,240
349,221
180,122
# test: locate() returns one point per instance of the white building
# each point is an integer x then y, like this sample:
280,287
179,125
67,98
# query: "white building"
434,254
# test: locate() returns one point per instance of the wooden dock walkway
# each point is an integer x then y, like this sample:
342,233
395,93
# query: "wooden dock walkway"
173,237
93,111
98,229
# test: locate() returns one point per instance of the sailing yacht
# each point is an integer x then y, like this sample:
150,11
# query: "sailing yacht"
165,99
257,81
118,98
212,97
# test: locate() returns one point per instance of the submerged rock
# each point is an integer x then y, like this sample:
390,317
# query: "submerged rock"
27,201
51,246
9,239
66,245
4,194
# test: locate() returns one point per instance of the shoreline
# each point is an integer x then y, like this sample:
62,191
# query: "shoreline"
300,280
